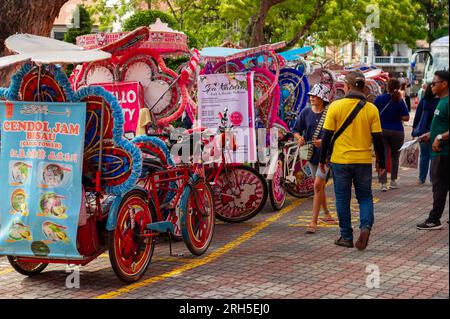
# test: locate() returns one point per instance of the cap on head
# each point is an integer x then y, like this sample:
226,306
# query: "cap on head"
356,79
321,91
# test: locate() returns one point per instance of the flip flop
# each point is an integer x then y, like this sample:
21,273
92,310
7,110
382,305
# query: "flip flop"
330,221
311,230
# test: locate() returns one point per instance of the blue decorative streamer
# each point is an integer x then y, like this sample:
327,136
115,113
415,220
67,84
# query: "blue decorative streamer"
157,142
118,137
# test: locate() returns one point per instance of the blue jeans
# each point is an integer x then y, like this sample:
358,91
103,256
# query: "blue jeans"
425,161
360,175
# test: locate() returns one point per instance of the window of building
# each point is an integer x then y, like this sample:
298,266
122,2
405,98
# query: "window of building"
59,35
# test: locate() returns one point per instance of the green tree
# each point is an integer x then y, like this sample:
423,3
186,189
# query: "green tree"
331,22
108,13
82,24
436,14
206,19
146,18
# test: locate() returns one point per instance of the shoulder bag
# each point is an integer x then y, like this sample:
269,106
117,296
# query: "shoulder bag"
347,123
306,151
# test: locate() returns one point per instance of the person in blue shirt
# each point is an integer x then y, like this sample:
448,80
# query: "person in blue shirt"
422,123
304,130
393,111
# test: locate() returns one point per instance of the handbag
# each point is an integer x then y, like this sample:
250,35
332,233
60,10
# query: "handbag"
307,150
409,157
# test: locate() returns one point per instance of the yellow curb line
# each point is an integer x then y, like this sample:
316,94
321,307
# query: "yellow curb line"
204,260
6,271
168,259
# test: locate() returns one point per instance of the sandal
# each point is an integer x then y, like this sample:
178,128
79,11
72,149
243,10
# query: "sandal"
311,229
328,220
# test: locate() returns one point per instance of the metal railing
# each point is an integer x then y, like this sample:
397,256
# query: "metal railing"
391,60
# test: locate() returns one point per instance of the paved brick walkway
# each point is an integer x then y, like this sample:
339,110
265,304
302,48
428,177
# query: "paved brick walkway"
272,257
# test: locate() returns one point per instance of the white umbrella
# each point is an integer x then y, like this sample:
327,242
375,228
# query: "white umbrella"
47,51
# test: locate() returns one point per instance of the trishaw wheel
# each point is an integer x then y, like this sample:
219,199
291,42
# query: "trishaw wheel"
26,268
197,222
277,189
130,253
241,202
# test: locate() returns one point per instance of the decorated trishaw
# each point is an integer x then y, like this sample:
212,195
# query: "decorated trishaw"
138,57
376,80
69,177
294,84
264,65
239,188
138,65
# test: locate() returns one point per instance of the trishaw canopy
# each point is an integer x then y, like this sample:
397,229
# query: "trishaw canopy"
219,54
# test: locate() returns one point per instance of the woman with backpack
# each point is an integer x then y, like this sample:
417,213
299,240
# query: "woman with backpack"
393,111
422,123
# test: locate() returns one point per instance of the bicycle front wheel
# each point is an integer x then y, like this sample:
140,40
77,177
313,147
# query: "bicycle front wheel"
197,221
277,188
240,193
302,183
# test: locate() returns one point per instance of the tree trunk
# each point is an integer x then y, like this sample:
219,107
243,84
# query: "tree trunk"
25,16
258,21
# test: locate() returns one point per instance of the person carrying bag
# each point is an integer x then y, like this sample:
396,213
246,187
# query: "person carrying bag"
351,126
393,112
309,128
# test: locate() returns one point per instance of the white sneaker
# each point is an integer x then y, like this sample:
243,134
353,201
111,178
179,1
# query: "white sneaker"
394,185
384,188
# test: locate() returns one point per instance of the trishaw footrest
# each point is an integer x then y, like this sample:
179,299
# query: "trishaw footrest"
161,227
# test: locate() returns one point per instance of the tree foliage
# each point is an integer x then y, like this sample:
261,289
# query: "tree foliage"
435,13
326,22
146,18
81,16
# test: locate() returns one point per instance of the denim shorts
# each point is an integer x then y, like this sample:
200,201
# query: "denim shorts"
316,172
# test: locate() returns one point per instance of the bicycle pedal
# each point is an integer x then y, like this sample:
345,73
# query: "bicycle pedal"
176,255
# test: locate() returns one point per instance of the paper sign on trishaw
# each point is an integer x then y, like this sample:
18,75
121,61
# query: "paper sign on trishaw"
41,161
131,97
233,91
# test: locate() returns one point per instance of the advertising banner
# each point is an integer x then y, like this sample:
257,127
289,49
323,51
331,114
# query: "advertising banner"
41,161
234,92
130,96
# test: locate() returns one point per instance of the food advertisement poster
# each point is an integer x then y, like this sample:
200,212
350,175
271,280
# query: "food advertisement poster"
234,92
41,162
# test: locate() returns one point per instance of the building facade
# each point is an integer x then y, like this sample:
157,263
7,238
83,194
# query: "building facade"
65,21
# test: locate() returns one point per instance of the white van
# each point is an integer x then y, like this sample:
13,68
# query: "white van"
437,58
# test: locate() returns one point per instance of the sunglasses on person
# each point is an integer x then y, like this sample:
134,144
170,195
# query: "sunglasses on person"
433,84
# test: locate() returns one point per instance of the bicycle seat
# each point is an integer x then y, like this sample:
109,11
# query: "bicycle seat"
150,166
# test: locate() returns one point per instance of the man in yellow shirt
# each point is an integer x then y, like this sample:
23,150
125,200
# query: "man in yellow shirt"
351,125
